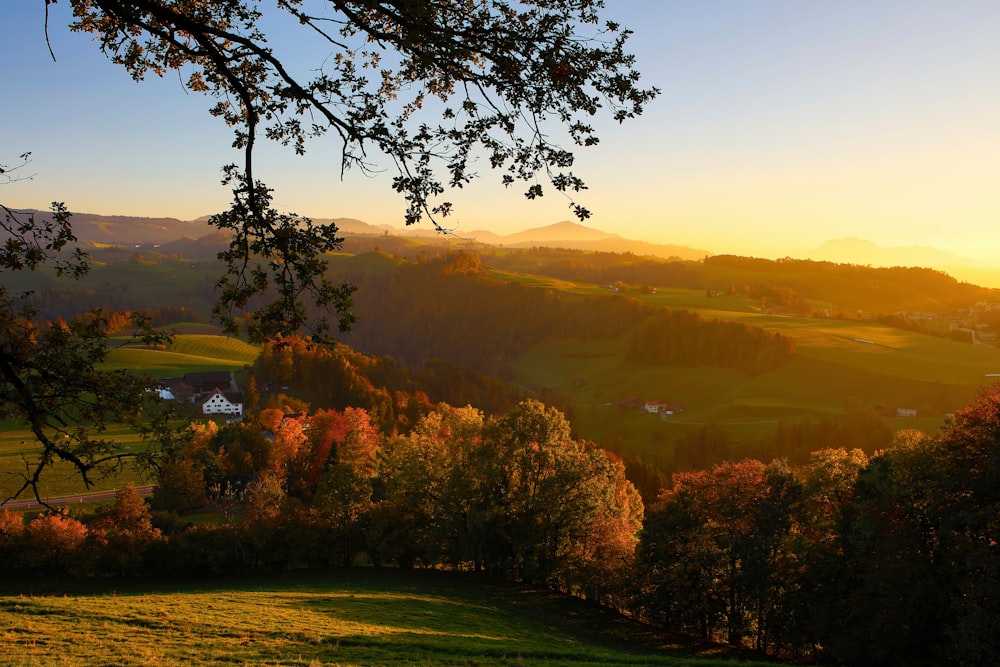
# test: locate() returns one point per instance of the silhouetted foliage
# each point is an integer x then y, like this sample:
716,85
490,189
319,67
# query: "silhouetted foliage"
492,73
50,378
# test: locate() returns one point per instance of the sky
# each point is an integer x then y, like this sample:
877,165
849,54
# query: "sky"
781,125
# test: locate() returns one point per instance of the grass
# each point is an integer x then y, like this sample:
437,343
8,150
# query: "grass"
188,353
346,617
61,478
837,362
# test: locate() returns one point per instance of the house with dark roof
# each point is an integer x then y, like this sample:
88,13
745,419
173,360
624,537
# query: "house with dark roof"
217,403
214,392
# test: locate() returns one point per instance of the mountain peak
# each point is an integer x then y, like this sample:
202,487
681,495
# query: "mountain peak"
560,231
861,251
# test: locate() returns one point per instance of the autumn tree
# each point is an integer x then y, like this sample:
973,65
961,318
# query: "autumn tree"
185,473
11,539
829,479
262,527
714,549
881,593
244,451
340,467
121,533
342,507
54,541
534,502
424,513
967,500
290,441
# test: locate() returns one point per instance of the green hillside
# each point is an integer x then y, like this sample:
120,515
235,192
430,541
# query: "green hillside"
186,354
348,617
410,309
837,362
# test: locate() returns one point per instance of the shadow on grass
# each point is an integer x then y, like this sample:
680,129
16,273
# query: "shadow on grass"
376,616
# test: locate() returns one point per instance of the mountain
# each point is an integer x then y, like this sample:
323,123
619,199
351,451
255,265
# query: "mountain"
575,236
129,230
859,251
195,239
564,231
354,226
565,234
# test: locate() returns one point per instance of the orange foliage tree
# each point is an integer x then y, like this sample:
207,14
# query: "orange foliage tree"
55,542
122,532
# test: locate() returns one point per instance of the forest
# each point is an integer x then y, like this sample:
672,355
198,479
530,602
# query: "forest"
849,557
682,338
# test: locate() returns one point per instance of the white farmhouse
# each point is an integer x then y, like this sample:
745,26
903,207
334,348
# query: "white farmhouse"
218,403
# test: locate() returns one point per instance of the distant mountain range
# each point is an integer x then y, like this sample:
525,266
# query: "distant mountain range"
195,239
564,234
859,251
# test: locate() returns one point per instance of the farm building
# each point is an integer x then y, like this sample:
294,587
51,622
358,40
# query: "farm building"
219,404
214,392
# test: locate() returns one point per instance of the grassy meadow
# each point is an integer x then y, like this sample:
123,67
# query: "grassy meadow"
361,616
61,478
836,362
187,353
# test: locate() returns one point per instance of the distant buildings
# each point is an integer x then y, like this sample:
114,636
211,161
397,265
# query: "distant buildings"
214,392
653,407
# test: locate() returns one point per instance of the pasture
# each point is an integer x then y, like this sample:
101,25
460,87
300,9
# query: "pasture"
361,616
61,479
837,362
188,353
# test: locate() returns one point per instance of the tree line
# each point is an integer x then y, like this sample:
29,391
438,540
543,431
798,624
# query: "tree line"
447,306
889,559
851,287
513,496
337,377
683,338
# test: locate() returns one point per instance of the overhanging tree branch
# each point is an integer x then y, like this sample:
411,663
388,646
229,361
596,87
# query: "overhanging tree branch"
523,62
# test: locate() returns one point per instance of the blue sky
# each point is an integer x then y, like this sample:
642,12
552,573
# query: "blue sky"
781,125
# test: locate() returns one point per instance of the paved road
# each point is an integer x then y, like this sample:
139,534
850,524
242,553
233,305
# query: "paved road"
75,499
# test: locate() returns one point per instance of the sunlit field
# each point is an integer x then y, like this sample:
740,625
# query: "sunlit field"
349,617
186,354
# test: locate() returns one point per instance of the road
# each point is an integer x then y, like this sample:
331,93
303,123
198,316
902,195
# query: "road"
75,499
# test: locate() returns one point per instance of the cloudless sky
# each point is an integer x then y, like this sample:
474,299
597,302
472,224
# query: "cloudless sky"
781,124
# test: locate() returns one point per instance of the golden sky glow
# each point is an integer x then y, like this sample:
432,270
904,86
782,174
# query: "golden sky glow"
782,124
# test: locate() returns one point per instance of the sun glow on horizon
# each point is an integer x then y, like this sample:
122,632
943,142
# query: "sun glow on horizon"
781,126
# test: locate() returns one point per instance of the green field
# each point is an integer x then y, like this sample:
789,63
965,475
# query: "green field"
349,617
187,353
62,478
836,362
